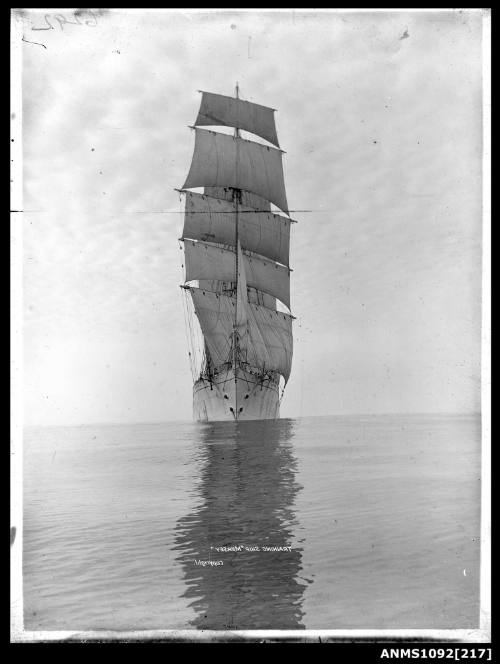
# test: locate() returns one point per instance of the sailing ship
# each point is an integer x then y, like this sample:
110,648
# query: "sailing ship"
236,253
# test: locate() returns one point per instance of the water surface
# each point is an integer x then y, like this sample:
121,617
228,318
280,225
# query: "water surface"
377,519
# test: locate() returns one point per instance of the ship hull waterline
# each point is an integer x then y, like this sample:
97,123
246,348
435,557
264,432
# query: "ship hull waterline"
226,398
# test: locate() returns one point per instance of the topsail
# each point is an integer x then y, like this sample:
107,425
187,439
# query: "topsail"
205,260
220,160
214,220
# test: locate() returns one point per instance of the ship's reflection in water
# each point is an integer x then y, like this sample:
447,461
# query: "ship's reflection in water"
246,493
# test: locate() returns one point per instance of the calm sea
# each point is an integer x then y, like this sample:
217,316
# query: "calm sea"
375,521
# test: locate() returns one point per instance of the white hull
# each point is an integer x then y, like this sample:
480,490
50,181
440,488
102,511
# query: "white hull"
247,397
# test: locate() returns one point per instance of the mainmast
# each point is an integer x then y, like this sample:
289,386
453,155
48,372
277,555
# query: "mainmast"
236,199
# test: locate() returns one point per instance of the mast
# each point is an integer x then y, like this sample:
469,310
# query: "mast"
236,197
232,239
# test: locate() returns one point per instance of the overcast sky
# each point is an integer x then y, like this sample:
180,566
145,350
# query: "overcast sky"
380,118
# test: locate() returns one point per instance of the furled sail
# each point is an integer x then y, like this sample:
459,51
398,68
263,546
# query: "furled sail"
231,112
214,220
247,198
208,261
226,161
268,343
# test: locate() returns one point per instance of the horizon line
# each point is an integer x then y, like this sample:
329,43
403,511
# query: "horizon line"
301,417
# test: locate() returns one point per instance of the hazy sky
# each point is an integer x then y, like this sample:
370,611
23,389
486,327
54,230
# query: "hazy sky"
380,117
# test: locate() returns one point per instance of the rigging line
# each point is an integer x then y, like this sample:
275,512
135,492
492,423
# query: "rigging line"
192,354
186,326
192,340
192,346
197,340
220,212
187,334
194,359
192,351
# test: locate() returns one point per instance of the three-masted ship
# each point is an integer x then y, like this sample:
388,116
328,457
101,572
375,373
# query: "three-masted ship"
237,272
